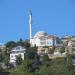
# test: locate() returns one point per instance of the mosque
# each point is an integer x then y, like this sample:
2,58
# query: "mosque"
41,38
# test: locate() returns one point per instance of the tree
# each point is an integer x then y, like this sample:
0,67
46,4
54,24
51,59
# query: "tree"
69,61
31,59
2,57
62,49
51,50
32,53
9,45
1,69
19,60
45,58
27,44
20,42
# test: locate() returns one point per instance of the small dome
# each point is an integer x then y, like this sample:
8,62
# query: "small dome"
40,34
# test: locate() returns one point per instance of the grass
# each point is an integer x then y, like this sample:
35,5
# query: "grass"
57,66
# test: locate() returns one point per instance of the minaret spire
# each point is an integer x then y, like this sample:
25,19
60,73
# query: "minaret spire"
30,23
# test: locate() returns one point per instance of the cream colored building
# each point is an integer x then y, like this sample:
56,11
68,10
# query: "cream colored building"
44,41
71,48
41,39
71,45
65,40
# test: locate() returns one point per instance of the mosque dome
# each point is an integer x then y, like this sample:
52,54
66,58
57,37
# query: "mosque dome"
40,34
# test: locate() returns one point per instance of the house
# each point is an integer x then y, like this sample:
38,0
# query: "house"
71,46
19,50
65,40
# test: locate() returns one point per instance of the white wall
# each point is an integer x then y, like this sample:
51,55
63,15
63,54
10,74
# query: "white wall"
13,56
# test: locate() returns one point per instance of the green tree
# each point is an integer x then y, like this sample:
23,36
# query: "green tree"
62,49
20,42
19,60
10,44
45,58
2,57
1,69
32,60
32,53
26,44
69,62
51,50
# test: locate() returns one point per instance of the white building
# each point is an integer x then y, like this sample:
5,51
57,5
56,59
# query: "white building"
41,39
19,50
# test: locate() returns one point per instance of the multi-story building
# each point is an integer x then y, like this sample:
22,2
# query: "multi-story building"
41,39
71,45
16,51
71,48
65,40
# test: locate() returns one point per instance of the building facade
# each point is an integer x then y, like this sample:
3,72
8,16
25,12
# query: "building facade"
71,48
41,39
44,42
16,51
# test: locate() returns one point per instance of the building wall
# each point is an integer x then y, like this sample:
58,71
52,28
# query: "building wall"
45,42
49,42
19,50
13,56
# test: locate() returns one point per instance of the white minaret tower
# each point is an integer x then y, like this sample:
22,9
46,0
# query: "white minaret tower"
30,23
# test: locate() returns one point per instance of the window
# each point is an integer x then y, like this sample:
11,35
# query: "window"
73,49
49,42
12,56
42,43
17,48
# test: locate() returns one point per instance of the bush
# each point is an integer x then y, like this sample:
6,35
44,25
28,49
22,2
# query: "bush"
19,60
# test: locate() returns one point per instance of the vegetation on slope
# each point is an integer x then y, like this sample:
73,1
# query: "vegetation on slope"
32,65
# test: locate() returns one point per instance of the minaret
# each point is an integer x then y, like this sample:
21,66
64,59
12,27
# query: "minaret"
30,23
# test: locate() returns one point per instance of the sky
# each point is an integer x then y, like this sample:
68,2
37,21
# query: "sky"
52,16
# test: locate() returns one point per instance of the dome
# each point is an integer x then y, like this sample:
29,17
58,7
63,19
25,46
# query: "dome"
40,34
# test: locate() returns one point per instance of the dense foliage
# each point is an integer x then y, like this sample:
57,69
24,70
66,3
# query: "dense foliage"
39,65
